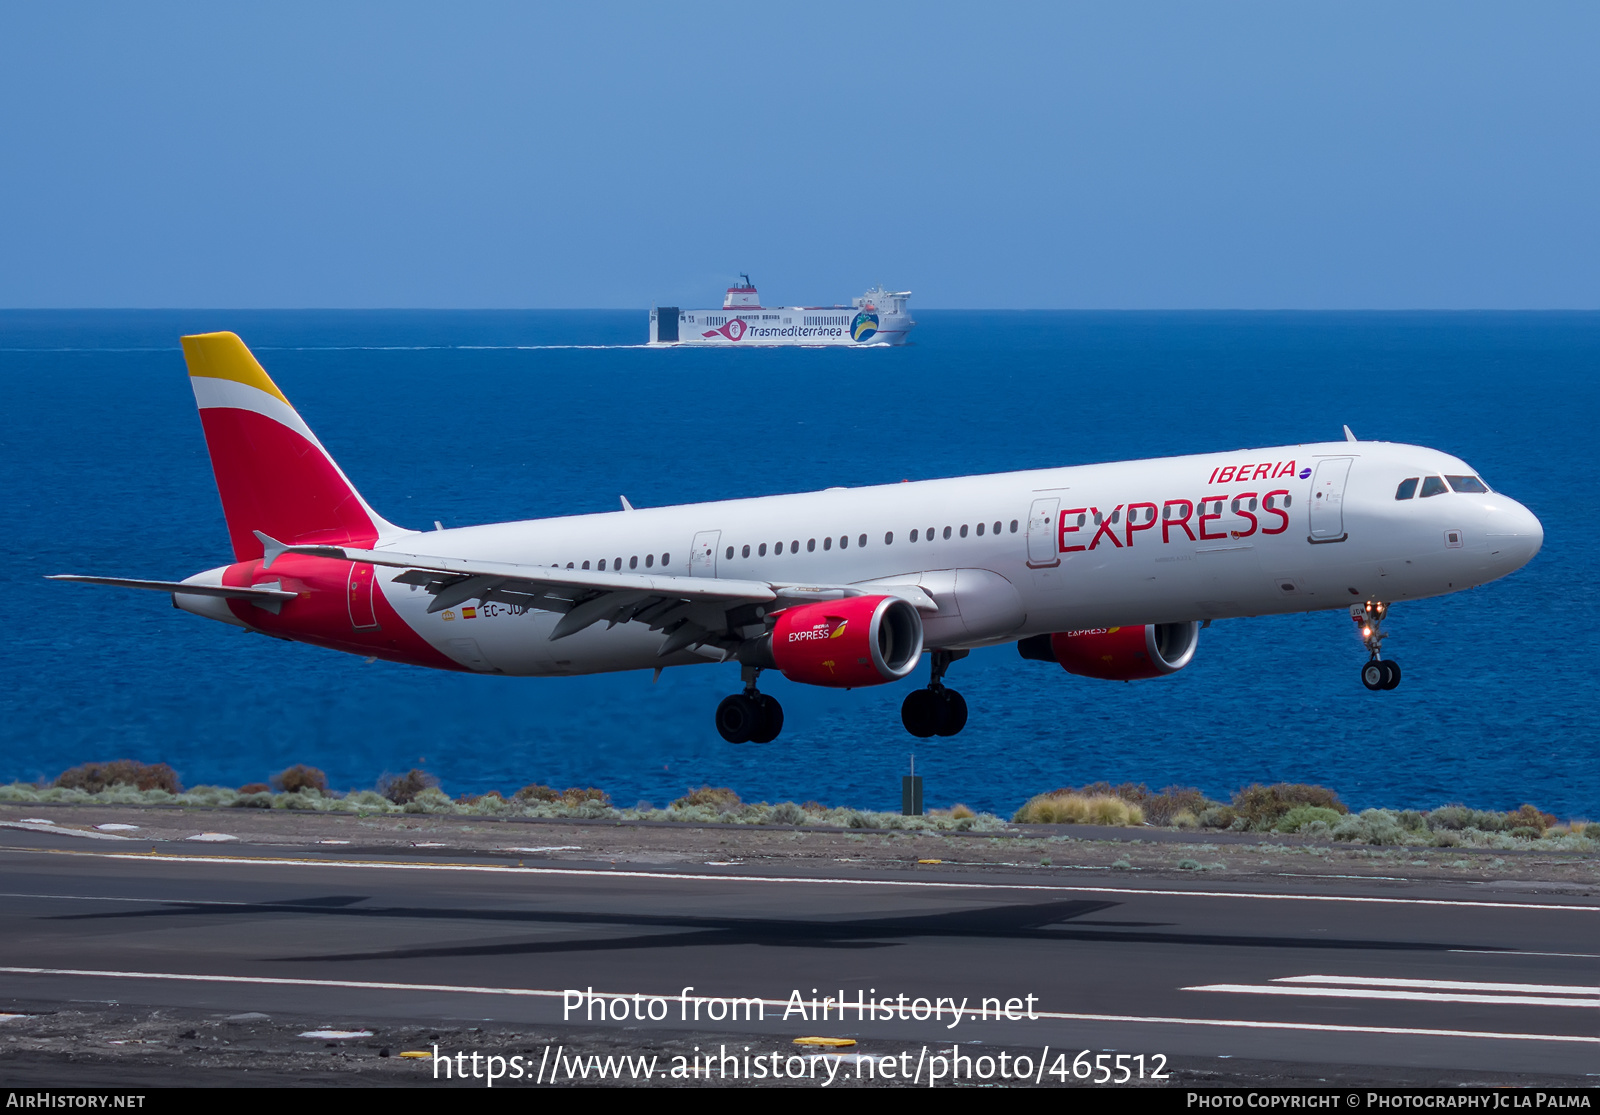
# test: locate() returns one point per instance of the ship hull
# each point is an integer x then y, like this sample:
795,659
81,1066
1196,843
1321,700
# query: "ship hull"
784,326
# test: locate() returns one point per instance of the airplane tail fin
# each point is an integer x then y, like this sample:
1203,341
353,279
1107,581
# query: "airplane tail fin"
273,474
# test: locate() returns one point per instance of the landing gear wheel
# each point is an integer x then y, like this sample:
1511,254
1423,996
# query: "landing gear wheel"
739,718
952,711
1374,674
771,718
920,712
1391,673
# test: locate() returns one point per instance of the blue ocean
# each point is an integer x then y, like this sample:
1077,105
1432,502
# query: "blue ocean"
469,417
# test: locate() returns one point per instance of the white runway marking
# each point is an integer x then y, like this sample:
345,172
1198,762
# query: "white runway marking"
525,992
1381,993
791,880
1448,985
52,827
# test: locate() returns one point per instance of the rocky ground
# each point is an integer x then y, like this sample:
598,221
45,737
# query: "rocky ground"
1050,850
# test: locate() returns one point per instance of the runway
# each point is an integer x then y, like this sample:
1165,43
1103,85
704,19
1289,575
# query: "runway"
1340,973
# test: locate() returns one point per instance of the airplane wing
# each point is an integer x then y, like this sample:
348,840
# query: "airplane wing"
689,611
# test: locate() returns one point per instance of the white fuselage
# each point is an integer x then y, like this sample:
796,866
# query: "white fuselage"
1004,556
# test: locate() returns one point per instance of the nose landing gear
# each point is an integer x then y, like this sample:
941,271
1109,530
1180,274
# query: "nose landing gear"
751,716
935,711
1378,673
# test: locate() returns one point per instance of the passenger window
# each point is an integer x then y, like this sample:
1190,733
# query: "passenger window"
913,536
794,546
844,542
1467,484
649,560
633,562
729,554
929,534
745,551
569,565
862,541
1116,516
666,559
947,532
811,545
888,538
963,530
1013,526
1433,486
980,530
997,526
617,565
586,565
1407,488
602,565
827,543
762,551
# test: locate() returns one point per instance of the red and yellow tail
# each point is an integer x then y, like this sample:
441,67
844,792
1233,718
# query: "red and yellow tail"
272,472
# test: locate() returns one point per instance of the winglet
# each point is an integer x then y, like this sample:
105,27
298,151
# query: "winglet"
626,506
1348,436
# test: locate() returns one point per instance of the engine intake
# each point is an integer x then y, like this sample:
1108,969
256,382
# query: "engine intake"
844,644
1118,653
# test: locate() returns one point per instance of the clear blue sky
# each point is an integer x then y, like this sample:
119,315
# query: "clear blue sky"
1147,155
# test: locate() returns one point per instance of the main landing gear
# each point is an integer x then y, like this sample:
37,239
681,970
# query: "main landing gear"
751,716
935,711
1378,673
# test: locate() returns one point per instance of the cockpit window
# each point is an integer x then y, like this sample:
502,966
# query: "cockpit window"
1433,486
1407,489
1467,484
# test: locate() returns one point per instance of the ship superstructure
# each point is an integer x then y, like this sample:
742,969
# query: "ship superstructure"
878,317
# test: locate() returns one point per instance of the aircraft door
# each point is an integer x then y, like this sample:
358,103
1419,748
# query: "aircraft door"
1042,538
703,554
362,585
1327,500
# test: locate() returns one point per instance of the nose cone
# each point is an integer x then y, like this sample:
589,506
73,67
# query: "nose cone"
1514,535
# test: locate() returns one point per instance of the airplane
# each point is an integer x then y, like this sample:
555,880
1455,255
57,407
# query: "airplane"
1108,570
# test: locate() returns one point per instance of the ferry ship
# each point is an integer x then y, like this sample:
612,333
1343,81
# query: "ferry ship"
878,317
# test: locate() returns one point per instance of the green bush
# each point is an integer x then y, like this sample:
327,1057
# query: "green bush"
1372,826
1302,815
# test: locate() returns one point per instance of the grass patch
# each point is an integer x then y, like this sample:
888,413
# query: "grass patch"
1070,807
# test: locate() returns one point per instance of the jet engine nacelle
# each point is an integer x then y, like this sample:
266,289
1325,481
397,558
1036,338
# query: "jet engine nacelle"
1118,653
860,640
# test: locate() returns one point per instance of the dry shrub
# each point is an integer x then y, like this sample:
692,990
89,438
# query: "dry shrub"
572,795
402,789
1526,821
1073,808
1262,807
960,812
473,799
716,797
300,777
95,777
255,788
1527,816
